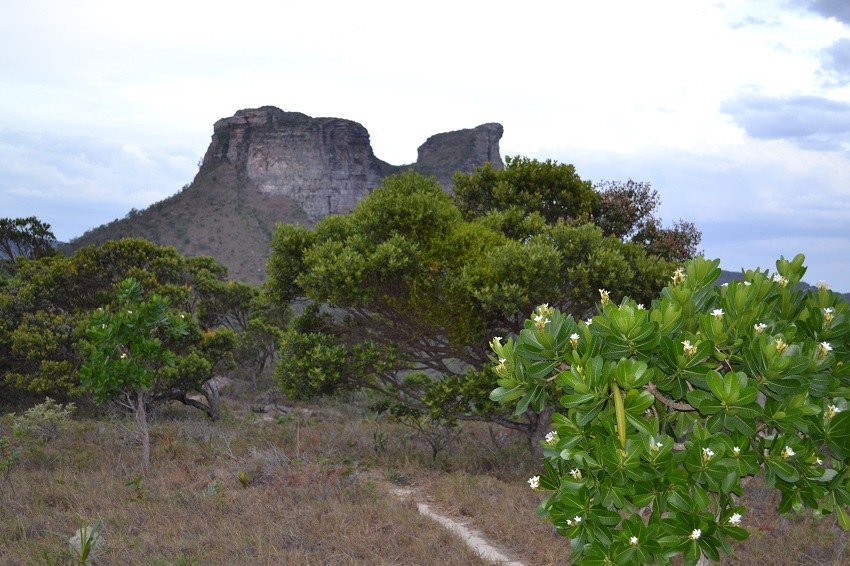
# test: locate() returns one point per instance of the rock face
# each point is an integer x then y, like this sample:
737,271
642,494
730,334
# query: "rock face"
327,164
464,150
324,164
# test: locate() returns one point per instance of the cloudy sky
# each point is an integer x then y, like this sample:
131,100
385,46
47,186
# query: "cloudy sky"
737,111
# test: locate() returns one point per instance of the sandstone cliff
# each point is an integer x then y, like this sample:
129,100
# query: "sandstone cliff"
327,164
324,164
265,165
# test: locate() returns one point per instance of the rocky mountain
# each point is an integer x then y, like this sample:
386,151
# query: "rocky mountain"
265,166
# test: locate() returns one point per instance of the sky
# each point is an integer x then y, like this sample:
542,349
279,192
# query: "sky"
737,112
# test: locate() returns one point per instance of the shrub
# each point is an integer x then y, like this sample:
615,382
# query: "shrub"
42,422
663,411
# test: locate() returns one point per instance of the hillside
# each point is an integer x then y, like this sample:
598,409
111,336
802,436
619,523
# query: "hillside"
265,166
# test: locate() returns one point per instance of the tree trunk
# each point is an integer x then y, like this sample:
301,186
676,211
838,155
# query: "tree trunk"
541,427
211,392
142,422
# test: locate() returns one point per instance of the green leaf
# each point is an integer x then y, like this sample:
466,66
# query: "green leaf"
525,401
576,399
705,402
541,370
838,435
503,395
843,517
784,470
718,385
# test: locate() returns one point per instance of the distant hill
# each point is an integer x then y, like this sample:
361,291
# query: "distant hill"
265,166
727,276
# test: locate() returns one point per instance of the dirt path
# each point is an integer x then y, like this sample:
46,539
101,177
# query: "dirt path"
471,537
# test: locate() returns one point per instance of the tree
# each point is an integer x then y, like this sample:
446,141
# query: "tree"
24,237
406,283
554,190
625,210
663,411
44,307
127,352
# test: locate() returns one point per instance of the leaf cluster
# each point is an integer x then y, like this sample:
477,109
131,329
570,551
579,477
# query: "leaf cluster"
663,411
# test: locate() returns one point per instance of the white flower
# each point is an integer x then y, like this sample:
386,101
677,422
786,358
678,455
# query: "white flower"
831,411
604,296
678,276
540,321
654,445
640,306
569,522
828,315
688,349
577,519
747,283
534,482
819,461
759,328
707,453
735,519
545,309
780,279
552,437
736,450
780,345
574,338
787,452
123,355
695,534
717,313
824,348
633,541
576,473
182,317
589,321
725,284
823,286
129,312
103,326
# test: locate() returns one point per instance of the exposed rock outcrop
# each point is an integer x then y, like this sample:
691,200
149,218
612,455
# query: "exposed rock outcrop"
324,164
327,164
443,154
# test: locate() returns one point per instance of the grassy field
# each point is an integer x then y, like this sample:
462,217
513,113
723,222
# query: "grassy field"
279,483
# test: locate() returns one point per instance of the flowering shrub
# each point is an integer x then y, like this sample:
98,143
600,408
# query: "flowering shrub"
663,411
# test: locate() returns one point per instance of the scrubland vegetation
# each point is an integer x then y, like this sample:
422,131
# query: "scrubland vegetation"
518,345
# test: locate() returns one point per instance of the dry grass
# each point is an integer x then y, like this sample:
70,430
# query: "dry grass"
308,487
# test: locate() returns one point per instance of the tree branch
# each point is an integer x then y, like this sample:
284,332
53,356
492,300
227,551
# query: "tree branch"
668,402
